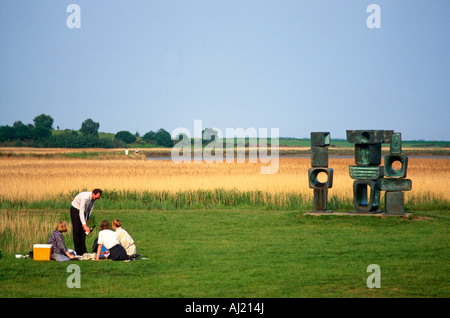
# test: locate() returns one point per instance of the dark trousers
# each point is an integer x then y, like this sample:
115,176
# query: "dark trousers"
79,236
118,253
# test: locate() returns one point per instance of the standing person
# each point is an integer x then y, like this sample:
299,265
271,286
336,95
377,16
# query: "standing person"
59,250
80,211
109,239
124,238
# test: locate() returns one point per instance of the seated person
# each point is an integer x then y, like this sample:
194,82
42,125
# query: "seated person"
124,238
109,240
59,251
104,253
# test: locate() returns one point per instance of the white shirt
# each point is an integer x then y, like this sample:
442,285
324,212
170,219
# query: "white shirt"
83,202
107,238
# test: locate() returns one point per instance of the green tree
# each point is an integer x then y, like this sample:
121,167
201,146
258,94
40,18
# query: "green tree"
125,136
43,125
89,128
41,133
22,131
150,136
209,135
7,133
163,138
43,121
66,139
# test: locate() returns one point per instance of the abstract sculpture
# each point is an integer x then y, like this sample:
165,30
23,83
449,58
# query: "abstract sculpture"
367,172
320,141
395,183
369,175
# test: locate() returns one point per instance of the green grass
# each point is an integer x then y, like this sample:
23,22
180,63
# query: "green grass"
252,253
214,199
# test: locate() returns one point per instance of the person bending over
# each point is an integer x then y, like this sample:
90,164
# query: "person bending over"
80,212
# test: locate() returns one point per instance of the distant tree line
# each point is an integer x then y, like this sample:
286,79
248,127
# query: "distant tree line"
159,138
40,134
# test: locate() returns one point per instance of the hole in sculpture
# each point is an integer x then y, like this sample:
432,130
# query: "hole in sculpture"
363,194
365,136
366,196
396,165
322,177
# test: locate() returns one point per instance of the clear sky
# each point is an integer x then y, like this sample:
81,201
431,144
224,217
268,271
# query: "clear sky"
300,66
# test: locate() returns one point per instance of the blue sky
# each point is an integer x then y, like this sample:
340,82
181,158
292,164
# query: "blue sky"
299,66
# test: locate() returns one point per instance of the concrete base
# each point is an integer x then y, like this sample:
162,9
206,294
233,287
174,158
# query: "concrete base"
320,212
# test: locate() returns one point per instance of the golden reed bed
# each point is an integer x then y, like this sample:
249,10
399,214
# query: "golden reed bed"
33,178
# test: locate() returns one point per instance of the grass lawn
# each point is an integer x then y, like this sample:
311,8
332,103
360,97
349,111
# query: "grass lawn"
252,254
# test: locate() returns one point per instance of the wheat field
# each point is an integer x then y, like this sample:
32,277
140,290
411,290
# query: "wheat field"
19,230
30,178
